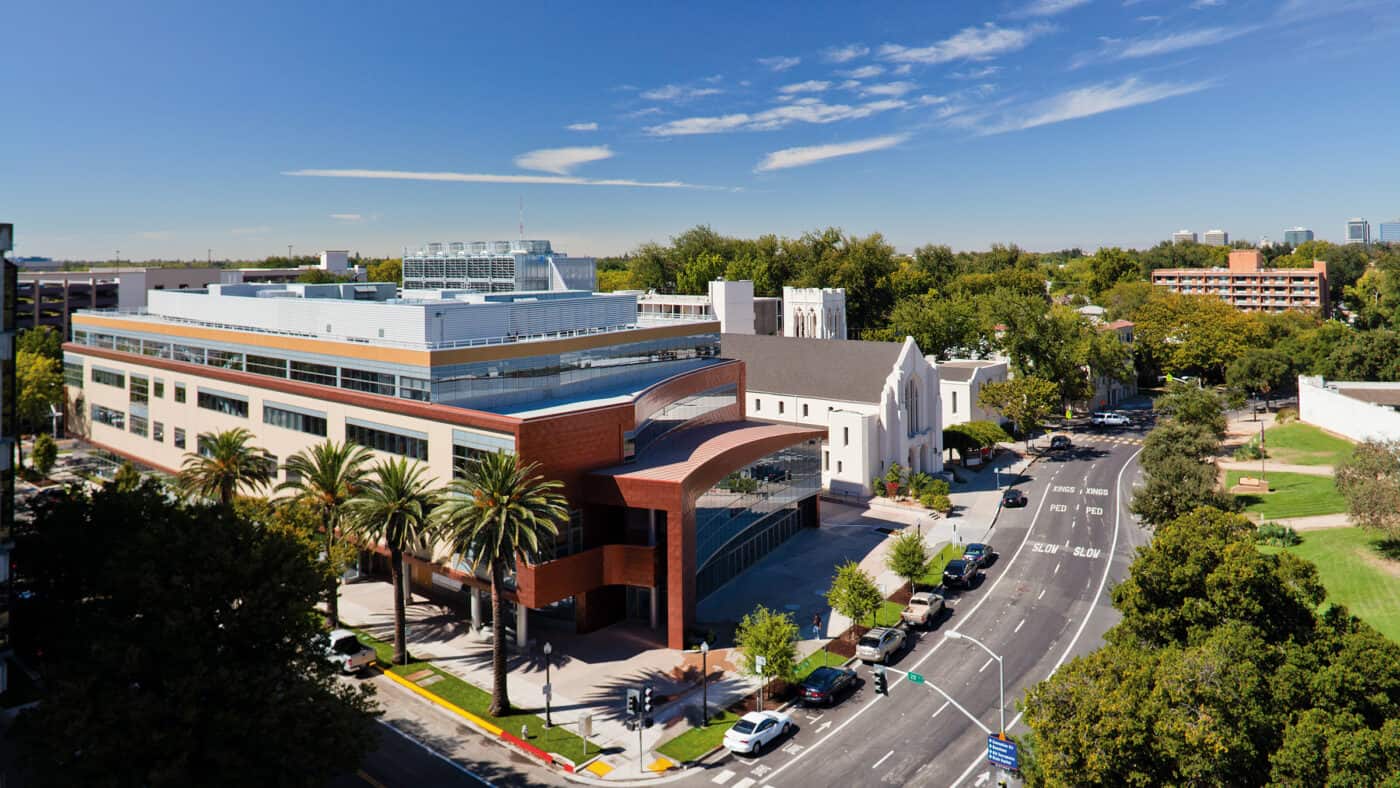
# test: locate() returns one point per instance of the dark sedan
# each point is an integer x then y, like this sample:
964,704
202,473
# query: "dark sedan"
1013,497
978,553
959,572
1060,443
823,685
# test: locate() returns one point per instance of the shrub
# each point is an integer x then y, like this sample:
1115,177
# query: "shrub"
935,501
1286,415
878,485
1278,534
1250,451
45,454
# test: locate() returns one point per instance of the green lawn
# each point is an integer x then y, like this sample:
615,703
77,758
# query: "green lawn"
697,741
886,616
1293,495
1303,444
1353,567
477,701
815,660
934,576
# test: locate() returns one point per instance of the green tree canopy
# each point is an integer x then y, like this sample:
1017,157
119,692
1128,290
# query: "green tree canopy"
45,454
853,593
1195,334
1109,266
771,635
1370,480
1259,371
39,385
1026,401
908,557
181,647
388,270
40,340
1190,404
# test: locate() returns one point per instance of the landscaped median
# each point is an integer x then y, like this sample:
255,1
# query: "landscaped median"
555,746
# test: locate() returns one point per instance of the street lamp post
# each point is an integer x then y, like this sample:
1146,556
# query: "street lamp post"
704,683
548,690
1001,672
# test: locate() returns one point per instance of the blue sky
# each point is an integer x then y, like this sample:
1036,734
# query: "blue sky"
162,130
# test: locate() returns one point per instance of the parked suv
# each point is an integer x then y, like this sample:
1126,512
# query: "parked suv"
959,572
1109,419
879,644
979,554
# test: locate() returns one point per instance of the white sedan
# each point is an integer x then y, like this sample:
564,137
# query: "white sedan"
756,732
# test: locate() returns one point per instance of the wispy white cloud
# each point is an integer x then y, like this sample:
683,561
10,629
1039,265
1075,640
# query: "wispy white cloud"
864,72
850,84
902,70
470,177
931,101
347,217
642,113
801,157
977,73
562,161
779,62
888,89
808,110
1078,103
1116,49
1150,18
678,93
590,126
1046,8
971,43
1294,10
810,86
1199,4
157,235
259,230
845,54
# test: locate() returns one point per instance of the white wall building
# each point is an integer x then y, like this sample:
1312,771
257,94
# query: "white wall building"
1356,410
1216,238
496,266
818,312
1183,236
960,383
879,401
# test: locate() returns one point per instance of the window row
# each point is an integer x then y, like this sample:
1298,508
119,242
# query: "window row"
383,383
294,420
220,403
386,441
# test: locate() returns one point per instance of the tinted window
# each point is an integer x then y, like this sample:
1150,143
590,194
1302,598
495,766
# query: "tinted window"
870,642
743,726
955,567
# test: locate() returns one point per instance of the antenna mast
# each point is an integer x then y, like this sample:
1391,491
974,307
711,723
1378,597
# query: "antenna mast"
522,218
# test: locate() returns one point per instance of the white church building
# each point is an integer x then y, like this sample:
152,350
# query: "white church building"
879,401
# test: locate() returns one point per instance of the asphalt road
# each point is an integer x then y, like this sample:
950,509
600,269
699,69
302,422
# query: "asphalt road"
1044,600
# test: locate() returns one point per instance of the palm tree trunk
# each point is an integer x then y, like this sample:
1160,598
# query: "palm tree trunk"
333,592
500,700
226,492
400,618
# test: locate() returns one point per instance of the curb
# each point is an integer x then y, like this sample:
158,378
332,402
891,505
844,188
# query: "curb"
488,728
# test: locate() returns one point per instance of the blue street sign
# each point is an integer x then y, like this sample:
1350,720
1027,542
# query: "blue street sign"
1002,753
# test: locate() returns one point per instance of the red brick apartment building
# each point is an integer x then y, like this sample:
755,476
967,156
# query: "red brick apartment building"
1247,285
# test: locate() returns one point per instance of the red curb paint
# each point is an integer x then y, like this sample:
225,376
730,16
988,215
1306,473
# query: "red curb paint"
528,747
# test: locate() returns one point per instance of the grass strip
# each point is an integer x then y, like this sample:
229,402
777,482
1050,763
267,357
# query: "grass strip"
1293,495
468,696
695,742
1303,444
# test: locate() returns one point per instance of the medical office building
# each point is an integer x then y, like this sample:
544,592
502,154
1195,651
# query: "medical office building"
672,491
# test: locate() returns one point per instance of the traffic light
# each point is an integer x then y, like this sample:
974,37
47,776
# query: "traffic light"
646,700
632,702
882,686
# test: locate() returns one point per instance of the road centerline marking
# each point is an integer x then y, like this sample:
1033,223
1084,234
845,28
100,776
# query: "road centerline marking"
876,765
1023,623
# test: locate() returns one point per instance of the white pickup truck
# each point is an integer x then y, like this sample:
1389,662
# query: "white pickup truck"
924,610
348,653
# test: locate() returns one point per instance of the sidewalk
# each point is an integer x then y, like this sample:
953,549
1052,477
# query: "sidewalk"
1271,467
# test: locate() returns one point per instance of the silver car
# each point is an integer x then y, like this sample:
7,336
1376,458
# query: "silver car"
879,644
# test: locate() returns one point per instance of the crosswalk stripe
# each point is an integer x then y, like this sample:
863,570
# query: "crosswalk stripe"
723,777
744,783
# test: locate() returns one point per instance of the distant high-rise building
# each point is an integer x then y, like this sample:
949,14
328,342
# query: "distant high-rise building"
1216,238
7,439
1297,235
1358,231
1389,232
1183,236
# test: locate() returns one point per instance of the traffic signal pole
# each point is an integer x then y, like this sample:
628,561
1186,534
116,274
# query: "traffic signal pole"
916,678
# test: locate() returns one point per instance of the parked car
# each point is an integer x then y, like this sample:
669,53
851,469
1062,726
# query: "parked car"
1109,419
348,652
879,644
756,732
979,554
924,609
1013,497
825,684
959,572
1060,443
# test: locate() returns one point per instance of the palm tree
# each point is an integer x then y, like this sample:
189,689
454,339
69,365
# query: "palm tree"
326,477
393,508
497,514
225,462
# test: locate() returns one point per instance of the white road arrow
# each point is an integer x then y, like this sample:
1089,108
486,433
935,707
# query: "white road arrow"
824,726
981,778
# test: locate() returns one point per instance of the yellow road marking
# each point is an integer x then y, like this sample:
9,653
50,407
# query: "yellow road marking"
363,775
599,767
452,707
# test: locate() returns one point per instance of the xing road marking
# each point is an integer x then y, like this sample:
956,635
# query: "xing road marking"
876,765
1023,621
1095,491
1060,488
1103,581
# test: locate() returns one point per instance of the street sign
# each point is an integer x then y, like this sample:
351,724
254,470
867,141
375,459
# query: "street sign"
759,662
547,689
917,678
585,726
1002,752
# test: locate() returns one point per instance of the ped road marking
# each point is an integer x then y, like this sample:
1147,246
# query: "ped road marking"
1031,529
876,765
723,777
1103,581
